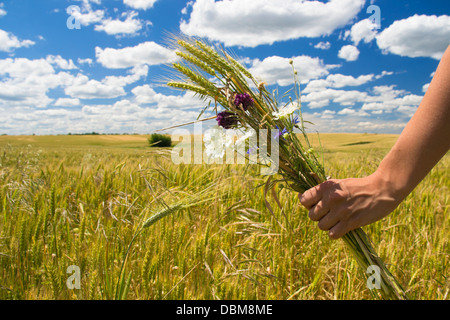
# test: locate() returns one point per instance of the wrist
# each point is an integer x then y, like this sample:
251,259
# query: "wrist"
392,185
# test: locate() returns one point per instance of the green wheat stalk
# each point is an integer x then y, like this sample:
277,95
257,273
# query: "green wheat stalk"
300,168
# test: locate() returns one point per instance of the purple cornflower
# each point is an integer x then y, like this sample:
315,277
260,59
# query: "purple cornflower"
296,120
243,99
227,119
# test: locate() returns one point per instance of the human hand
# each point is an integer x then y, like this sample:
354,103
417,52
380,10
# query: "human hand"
344,205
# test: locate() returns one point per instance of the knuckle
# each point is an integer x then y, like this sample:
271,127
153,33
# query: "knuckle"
334,197
342,213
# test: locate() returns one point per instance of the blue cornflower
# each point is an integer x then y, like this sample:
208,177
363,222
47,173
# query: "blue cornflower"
281,133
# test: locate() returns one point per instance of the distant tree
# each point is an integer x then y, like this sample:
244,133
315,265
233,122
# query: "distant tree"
159,140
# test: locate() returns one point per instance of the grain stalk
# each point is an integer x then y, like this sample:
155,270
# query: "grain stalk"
300,169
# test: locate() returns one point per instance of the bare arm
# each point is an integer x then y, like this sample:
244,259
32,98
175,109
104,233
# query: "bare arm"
344,205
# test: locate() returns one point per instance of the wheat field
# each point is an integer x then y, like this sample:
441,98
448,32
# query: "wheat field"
78,200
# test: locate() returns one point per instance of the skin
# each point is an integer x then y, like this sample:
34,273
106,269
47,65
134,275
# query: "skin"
343,205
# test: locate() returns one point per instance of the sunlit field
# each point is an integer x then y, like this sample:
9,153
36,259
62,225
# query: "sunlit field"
78,201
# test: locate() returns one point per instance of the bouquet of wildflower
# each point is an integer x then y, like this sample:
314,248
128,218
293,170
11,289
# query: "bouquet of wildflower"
284,147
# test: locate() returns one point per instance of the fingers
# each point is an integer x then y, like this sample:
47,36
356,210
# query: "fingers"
310,197
328,221
340,229
318,211
325,203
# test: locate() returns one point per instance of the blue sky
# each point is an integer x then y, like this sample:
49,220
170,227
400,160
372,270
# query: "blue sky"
356,76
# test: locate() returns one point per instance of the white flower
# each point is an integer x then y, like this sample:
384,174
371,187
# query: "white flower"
285,111
217,140
248,134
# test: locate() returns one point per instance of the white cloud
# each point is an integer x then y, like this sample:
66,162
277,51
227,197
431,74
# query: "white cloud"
140,4
136,73
67,102
26,82
129,26
125,115
9,42
278,70
149,53
323,45
84,88
108,88
417,36
61,63
350,122
363,30
185,9
23,67
384,73
322,98
340,81
87,61
380,99
353,112
386,99
349,53
2,11
147,95
328,114
86,15
256,22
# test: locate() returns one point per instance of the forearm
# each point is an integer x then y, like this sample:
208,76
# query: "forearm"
425,139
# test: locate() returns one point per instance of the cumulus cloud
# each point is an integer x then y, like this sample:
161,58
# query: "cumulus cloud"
85,88
67,102
108,88
87,61
140,4
149,53
2,11
257,22
26,82
353,112
364,30
386,99
349,53
340,81
275,69
9,42
60,62
86,15
130,26
351,120
323,45
147,95
124,115
417,36
379,100
322,98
